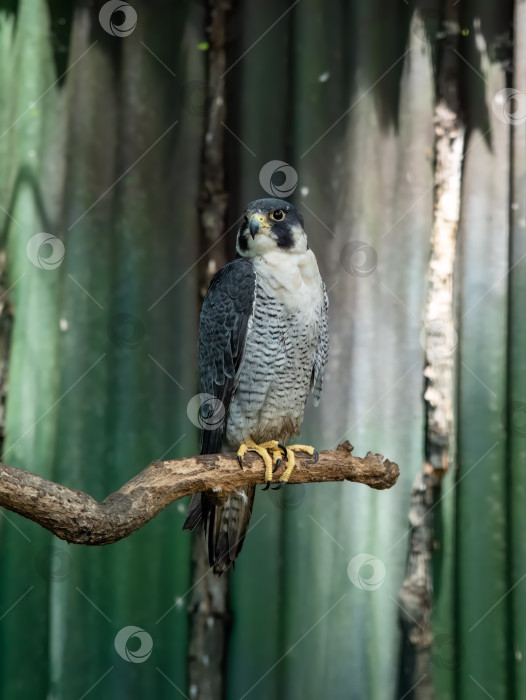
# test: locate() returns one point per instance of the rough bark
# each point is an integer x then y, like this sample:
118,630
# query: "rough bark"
76,517
209,612
213,199
439,339
6,324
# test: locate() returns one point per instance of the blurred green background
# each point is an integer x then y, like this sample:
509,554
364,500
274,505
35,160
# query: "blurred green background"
103,145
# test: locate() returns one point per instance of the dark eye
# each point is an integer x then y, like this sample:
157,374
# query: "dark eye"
278,215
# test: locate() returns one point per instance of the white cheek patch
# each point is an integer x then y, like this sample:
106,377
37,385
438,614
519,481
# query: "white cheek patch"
300,238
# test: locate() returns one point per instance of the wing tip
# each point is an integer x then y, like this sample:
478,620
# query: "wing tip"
194,516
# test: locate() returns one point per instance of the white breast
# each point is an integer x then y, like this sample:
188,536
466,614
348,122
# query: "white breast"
294,279
274,379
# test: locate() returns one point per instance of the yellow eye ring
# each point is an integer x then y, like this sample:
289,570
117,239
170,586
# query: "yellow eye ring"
278,215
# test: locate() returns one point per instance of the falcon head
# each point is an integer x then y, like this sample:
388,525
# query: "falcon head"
270,225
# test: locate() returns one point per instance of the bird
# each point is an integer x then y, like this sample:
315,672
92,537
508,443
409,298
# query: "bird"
263,347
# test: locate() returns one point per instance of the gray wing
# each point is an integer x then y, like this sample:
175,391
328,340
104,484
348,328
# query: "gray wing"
322,349
227,308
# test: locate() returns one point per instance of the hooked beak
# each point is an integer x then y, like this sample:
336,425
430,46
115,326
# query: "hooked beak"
256,223
253,226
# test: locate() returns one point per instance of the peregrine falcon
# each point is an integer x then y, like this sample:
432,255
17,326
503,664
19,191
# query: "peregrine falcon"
263,345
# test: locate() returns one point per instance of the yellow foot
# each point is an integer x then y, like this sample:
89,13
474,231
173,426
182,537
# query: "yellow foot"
291,462
270,453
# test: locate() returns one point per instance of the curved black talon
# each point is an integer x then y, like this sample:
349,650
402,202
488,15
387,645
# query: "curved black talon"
316,456
240,460
278,464
265,488
279,486
283,448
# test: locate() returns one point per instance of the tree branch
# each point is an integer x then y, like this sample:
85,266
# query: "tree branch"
76,517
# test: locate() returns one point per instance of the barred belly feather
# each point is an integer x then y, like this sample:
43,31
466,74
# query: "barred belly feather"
282,341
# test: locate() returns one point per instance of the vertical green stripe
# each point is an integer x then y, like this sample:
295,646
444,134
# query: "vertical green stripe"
28,139
516,400
481,495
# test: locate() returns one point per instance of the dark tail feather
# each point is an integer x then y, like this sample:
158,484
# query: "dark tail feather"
225,525
195,512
